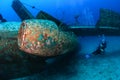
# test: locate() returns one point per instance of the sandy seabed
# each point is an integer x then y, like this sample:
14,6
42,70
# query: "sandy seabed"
78,67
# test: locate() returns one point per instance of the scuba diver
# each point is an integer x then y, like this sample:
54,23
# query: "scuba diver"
102,46
100,49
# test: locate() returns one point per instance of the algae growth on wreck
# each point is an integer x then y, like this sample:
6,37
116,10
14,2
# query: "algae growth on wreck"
59,40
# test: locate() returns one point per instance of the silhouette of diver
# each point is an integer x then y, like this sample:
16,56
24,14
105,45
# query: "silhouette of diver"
101,47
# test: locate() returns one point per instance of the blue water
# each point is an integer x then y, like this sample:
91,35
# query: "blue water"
64,10
79,66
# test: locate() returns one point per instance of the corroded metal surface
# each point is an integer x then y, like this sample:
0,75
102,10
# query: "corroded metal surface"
36,37
43,38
